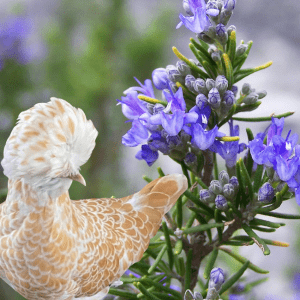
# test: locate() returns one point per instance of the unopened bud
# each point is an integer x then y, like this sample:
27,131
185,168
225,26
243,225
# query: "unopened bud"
215,187
190,159
262,94
217,278
199,86
210,83
206,196
223,177
234,89
189,82
183,68
228,191
221,203
201,101
240,50
216,56
222,33
221,83
160,78
246,89
251,98
228,98
205,38
266,193
230,29
174,75
214,98
234,181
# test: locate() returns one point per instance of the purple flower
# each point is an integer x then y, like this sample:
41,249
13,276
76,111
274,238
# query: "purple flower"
147,154
237,297
136,135
198,20
266,193
201,138
145,89
229,150
281,154
13,33
160,79
132,106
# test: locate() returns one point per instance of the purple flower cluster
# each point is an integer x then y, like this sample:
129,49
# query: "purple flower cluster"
171,126
281,154
13,33
208,20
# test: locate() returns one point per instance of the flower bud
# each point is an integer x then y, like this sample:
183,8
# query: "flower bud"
215,187
183,68
251,98
221,83
228,191
266,193
199,86
205,38
221,203
210,83
186,7
228,98
214,98
201,101
223,177
160,78
217,278
234,89
174,74
190,159
216,56
222,33
246,89
225,16
234,181
189,82
188,295
211,31
206,196
230,29
240,50
229,5
262,94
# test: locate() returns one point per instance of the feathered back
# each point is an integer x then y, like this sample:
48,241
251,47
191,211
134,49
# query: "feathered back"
50,140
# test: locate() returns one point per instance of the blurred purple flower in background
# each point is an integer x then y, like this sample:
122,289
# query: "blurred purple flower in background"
13,34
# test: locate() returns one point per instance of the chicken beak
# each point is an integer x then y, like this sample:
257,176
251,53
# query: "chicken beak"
78,177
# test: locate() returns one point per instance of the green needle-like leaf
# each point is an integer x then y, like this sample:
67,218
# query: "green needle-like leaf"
260,242
277,215
242,184
239,75
234,278
148,294
124,294
146,178
206,56
232,46
228,69
218,219
263,229
210,263
159,286
201,183
247,107
160,172
190,64
263,119
169,245
203,227
242,260
158,259
179,212
250,285
247,178
188,270
256,221
258,178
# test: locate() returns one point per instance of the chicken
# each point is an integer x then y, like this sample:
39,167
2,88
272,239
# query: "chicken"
52,247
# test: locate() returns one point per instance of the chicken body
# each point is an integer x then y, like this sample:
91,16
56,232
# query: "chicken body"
68,249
